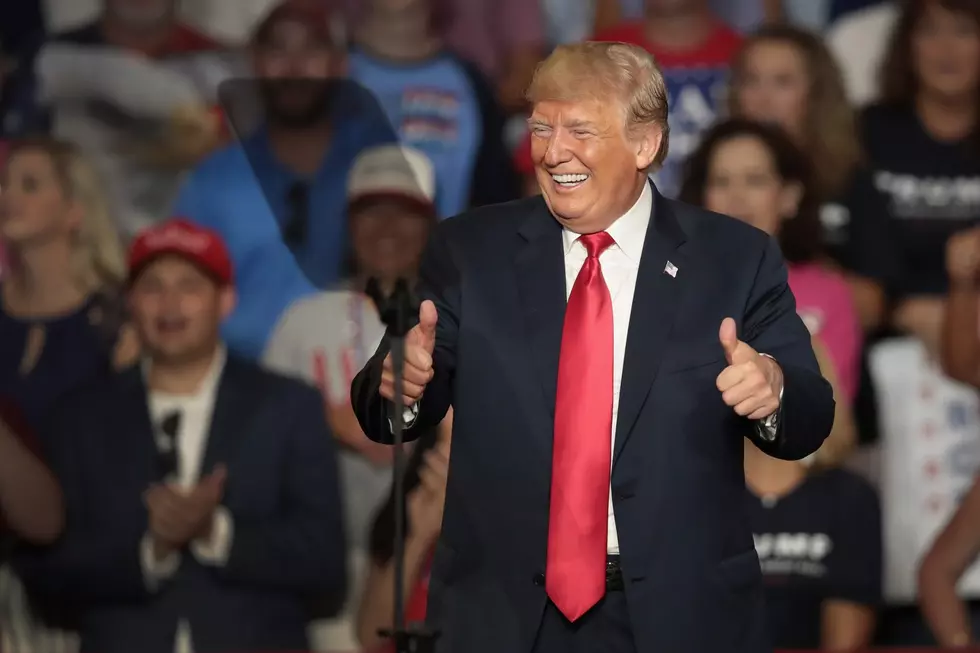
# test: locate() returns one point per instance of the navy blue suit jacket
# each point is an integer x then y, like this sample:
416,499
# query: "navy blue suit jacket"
497,277
282,491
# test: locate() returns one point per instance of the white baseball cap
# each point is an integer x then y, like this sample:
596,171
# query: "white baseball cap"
392,171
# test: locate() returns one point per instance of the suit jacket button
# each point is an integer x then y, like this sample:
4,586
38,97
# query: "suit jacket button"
539,579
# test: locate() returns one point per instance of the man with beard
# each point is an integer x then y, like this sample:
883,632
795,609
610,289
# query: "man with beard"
203,505
279,196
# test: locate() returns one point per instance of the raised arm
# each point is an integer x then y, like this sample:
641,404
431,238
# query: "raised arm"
960,348
439,283
771,326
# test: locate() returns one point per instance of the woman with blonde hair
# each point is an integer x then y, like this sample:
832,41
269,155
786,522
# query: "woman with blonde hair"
786,76
61,317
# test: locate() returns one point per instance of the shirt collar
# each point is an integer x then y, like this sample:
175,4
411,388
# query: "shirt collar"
629,231
210,382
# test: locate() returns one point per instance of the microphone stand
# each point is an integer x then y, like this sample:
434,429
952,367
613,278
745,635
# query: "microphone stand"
399,312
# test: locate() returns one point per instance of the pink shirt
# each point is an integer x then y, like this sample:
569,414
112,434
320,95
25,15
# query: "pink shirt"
824,302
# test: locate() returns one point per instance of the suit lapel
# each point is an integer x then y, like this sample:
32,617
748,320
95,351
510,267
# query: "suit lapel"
540,268
655,303
228,418
136,426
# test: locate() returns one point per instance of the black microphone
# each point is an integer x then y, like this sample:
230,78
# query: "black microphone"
167,461
399,312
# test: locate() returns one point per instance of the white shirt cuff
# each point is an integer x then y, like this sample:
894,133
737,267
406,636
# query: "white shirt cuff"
215,549
156,570
409,415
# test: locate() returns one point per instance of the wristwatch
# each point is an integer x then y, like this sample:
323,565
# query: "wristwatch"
771,423
769,426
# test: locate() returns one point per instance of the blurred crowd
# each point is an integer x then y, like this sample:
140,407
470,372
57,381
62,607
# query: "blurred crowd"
194,196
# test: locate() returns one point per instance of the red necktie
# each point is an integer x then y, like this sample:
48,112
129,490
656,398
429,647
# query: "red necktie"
576,574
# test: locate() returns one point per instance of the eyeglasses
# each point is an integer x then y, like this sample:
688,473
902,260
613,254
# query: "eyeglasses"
296,227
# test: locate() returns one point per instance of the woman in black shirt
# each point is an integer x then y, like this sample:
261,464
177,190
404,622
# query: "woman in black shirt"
923,145
818,536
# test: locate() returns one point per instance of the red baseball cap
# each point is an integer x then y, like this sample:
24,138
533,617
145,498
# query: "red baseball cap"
180,237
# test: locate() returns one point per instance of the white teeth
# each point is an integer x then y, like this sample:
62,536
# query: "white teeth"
569,179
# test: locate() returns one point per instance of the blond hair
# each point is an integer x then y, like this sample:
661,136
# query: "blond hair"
98,260
595,70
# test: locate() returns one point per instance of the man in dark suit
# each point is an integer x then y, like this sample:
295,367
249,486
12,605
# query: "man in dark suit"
203,510
605,351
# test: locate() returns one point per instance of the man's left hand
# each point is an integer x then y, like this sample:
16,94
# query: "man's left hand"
751,383
178,517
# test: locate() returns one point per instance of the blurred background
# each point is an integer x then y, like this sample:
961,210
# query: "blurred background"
847,129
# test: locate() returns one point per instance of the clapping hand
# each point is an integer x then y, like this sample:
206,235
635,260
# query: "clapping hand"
751,383
420,342
177,517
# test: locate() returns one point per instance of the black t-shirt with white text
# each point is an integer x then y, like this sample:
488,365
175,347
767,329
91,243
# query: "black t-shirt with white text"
933,190
858,233
820,542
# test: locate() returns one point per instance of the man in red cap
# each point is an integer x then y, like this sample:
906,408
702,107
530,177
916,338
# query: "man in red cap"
202,492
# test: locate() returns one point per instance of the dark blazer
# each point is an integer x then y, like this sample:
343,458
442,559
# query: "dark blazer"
497,277
282,492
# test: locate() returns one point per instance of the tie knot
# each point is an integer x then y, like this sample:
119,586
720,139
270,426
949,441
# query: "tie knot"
595,244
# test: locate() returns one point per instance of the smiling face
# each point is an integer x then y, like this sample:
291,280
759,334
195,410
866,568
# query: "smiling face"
589,170
178,309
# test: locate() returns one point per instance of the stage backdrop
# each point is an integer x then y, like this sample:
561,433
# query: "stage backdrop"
930,450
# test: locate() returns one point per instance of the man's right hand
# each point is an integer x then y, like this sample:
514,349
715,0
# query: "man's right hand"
177,516
419,345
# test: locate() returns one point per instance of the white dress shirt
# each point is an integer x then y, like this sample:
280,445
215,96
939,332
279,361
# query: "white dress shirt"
195,424
620,265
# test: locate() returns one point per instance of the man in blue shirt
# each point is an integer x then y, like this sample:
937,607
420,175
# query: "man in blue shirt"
278,196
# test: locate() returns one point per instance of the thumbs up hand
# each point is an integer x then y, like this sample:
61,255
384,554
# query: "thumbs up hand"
751,383
419,345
